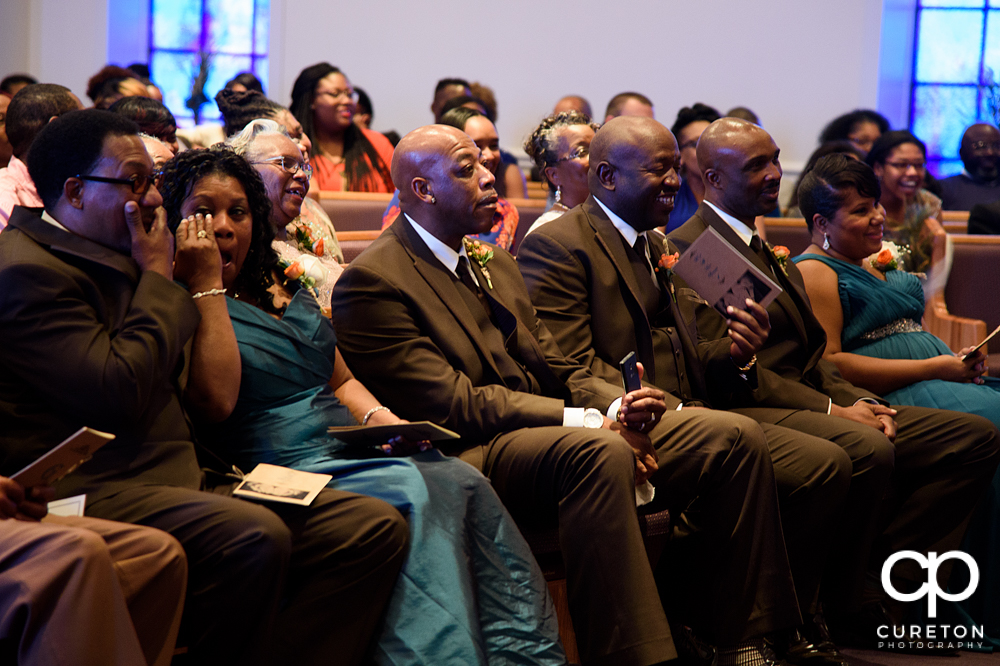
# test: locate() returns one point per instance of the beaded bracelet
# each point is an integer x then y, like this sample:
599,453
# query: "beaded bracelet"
210,292
371,411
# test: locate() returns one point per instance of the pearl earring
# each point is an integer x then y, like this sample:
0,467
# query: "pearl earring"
434,201
826,241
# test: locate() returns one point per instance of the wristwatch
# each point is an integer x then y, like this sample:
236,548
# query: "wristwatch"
592,418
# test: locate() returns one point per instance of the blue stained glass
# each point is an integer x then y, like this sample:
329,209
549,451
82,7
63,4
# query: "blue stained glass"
994,3
173,73
953,3
262,26
944,168
230,26
940,116
176,24
991,50
949,42
260,67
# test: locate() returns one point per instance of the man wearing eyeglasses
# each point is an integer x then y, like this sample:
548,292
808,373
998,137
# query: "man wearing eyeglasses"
94,332
979,183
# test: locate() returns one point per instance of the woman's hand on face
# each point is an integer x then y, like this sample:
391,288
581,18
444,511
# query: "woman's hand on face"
197,262
954,369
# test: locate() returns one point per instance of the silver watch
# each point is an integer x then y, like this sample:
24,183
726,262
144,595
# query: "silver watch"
592,418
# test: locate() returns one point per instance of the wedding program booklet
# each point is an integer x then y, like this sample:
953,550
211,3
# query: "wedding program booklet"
723,276
63,459
417,431
272,483
980,345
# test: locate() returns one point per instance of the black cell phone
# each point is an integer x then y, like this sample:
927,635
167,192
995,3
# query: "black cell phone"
630,373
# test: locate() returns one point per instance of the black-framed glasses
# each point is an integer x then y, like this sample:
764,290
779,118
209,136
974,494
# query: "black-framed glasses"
577,153
982,145
138,182
288,165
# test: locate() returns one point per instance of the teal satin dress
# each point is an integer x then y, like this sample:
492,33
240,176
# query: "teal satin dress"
470,591
876,316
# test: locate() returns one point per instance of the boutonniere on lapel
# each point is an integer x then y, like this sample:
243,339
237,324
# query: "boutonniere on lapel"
780,254
482,255
666,262
663,268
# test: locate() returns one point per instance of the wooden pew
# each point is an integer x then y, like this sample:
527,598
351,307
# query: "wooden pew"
791,232
968,306
354,243
355,211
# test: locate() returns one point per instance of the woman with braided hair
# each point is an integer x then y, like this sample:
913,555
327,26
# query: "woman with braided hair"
560,147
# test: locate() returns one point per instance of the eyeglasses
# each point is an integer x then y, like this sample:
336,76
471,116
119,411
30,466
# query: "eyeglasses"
905,166
577,153
138,182
982,145
336,94
288,165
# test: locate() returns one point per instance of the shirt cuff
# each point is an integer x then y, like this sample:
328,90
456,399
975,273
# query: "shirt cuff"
573,417
829,407
680,406
613,409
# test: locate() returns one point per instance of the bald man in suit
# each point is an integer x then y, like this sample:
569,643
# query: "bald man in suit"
436,336
940,458
591,277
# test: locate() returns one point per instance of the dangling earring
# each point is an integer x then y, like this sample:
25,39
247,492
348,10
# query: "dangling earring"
559,194
826,241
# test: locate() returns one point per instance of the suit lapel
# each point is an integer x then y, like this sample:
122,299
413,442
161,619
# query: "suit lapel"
610,241
520,338
441,281
785,299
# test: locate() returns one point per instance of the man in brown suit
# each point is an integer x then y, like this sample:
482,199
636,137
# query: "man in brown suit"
437,337
591,279
94,331
942,459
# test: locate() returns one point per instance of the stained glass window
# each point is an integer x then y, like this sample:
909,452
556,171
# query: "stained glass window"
957,47
221,37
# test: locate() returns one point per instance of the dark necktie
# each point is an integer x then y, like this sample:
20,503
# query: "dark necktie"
640,249
464,271
756,244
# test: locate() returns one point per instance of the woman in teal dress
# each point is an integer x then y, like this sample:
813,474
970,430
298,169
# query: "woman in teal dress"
871,313
470,591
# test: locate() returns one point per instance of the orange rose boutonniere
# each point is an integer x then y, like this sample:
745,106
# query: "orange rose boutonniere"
482,255
667,262
781,254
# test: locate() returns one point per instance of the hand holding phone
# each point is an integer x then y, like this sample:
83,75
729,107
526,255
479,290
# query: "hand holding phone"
630,373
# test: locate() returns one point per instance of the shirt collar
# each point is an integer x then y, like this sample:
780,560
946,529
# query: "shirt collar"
446,255
743,231
627,231
53,221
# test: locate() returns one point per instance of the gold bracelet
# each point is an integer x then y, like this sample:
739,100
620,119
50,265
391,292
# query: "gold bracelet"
371,411
745,368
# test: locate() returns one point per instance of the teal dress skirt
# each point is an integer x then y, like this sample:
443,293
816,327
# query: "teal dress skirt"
882,320
470,591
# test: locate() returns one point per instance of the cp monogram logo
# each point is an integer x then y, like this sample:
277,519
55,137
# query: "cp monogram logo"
930,589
